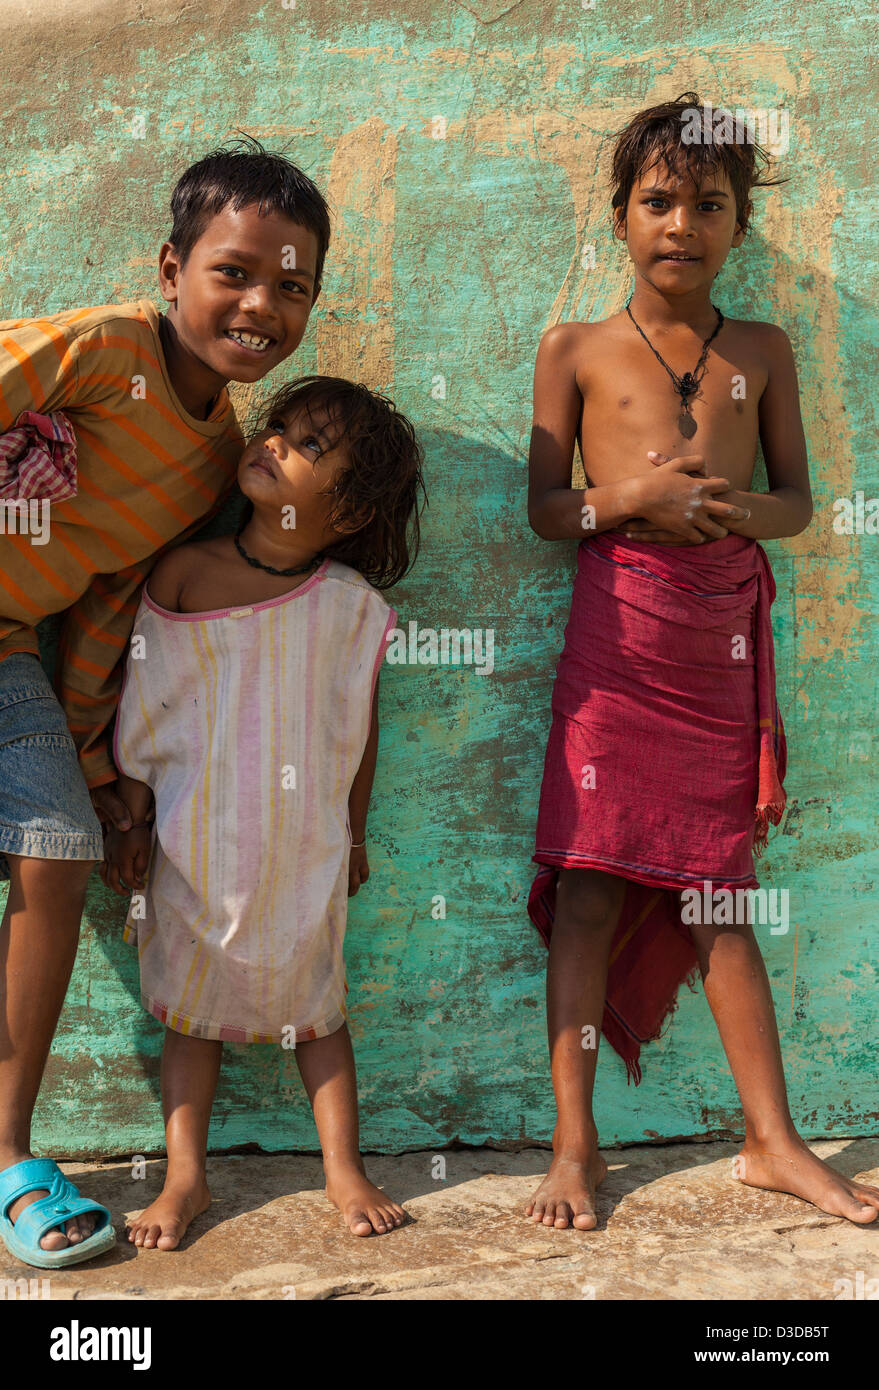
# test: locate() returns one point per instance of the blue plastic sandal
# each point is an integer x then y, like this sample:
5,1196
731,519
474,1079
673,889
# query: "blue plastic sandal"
64,1201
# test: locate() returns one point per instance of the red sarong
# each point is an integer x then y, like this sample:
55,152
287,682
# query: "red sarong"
666,755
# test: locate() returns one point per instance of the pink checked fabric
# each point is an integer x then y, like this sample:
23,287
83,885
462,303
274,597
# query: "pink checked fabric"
38,457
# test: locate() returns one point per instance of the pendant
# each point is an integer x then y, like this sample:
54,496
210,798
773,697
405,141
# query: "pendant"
686,424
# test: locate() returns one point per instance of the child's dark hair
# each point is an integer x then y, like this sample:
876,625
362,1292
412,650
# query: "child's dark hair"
383,474
657,134
237,176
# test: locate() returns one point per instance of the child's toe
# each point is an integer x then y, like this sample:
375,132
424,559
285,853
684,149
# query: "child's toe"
865,1192
860,1211
359,1223
584,1219
377,1220
54,1240
85,1225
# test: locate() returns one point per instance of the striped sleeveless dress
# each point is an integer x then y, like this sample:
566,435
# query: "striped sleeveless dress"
250,724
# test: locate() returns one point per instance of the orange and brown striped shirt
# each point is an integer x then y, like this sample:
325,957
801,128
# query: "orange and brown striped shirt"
148,474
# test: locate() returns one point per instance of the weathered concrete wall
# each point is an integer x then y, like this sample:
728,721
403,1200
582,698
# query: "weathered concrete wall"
454,250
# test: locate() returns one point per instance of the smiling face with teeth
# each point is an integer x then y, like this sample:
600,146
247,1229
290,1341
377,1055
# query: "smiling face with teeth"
239,304
679,234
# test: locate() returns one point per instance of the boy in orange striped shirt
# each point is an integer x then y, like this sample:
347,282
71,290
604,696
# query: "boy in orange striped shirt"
157,448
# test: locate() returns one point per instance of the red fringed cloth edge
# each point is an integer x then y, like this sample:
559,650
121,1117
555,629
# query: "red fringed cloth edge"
773,744
652,955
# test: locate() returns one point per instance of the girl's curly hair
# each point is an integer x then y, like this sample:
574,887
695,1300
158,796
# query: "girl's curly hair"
381,478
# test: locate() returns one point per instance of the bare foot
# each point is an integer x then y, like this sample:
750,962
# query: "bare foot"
364,1206
566,1197
73,1232
164,1223
792,1167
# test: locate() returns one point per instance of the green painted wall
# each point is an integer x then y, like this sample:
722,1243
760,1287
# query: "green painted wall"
454,250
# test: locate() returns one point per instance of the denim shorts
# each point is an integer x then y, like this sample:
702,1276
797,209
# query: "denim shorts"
45,808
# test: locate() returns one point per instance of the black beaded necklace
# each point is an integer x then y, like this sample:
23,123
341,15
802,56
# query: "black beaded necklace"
270,569
688,384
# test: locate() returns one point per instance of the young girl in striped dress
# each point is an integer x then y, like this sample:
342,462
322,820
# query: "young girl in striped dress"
249,711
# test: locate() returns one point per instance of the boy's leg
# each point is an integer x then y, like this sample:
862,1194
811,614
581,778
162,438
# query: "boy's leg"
39,934
774,1156
327,1069
190,1067
588,905
50,838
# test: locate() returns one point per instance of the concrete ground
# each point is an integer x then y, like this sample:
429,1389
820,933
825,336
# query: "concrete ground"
674,1224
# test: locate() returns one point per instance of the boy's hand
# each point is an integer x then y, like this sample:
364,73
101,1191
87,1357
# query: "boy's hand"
110,809
682,510
126,858
639,529
358,869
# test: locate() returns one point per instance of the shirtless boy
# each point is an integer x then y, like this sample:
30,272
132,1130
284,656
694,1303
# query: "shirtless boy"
667,644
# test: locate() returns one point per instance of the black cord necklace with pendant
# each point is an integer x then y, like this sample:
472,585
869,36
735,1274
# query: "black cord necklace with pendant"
270,569
688,384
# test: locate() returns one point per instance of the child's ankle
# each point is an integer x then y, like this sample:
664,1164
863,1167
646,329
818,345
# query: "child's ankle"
189,1175
575,1142
12,1152
337,1162
770,1139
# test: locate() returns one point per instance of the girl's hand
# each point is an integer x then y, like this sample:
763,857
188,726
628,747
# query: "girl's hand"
110,809
358,869
126,858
